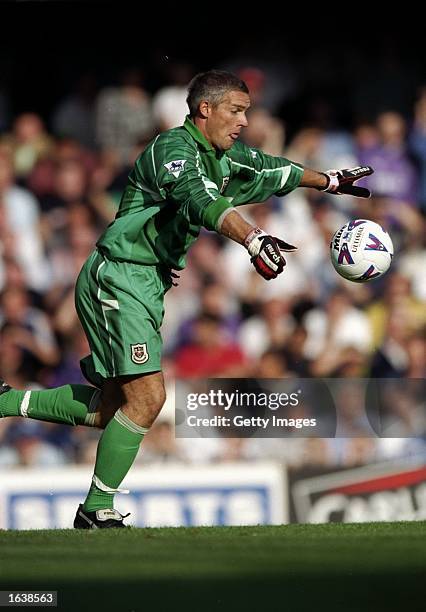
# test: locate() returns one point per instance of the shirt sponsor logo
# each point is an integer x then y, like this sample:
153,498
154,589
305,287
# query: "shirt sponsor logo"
175,167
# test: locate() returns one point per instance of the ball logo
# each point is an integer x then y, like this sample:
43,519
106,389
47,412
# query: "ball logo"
375,244
344,255
355,223
369,274
336,241
357,240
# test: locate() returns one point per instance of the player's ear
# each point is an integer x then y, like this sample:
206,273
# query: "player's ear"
204,108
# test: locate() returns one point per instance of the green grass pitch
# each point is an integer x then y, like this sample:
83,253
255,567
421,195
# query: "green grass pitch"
333,567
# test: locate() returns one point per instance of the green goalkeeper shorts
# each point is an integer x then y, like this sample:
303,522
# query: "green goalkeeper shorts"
121,308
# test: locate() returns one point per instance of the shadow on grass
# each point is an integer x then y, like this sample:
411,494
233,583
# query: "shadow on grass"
336,593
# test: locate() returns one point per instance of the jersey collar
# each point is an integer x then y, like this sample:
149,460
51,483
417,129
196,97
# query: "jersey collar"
197,135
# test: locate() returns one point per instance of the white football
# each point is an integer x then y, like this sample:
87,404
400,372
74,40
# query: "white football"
361,250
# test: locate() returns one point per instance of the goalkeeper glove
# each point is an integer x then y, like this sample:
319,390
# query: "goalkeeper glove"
266,253
341,181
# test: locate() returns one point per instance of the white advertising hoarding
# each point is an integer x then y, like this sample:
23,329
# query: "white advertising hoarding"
173,495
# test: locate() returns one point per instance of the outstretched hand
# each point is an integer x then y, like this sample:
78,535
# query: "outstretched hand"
267,253
342,181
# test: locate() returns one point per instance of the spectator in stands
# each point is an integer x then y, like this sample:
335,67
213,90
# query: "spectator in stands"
19,226
265,132
416,350
216,301
417,142
395,175
124,116
269,328
13,362
74,117
336,326
161,445
29,142
272,364
33,450
397,294
29,327
391,359
294,351
169,103
210,353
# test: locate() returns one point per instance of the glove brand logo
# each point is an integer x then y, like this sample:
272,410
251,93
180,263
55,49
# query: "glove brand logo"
272,253
139,353
175,167
357,171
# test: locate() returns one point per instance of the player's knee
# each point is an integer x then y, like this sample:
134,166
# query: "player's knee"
152,403
146,407
141,398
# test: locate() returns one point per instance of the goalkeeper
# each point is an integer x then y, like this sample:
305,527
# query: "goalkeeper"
189,177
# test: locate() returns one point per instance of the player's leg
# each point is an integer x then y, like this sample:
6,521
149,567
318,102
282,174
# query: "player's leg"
69,404
126,352
142,398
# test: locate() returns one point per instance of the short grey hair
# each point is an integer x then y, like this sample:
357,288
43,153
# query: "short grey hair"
212,86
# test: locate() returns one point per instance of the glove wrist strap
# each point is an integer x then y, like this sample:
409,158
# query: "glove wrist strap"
333,181
252,235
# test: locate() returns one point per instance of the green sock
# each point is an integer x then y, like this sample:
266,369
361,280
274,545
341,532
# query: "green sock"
70,404
117,449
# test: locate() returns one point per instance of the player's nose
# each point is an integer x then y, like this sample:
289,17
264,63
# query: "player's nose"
243,120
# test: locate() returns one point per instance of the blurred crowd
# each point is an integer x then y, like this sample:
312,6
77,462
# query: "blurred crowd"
60,184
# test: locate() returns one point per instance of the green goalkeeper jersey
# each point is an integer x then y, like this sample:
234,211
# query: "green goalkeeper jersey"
179,184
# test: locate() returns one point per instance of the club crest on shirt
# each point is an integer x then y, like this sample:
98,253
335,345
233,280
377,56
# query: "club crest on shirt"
175,167
139,353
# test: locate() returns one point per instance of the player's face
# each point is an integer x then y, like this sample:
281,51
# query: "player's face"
226,120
